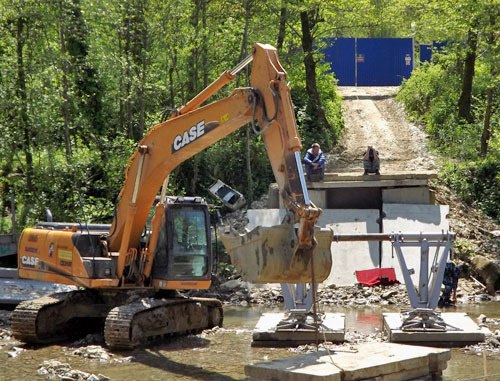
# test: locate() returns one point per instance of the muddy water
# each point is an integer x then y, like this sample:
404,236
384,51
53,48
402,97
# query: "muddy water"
222,355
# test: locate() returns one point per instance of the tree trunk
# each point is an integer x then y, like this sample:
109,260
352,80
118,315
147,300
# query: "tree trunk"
308,23
121,117
65,104
128,76
204,45
282,27
464,103
142,95
23,110
485,137
243,50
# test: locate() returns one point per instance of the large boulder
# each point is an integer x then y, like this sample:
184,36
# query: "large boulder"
489,271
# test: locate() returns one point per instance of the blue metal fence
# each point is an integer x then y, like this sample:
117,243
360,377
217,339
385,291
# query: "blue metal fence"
425,52
370,61
341,55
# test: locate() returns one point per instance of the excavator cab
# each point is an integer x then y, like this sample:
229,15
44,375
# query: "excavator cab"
183,250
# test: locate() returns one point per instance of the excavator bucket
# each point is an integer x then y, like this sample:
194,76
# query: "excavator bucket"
268,255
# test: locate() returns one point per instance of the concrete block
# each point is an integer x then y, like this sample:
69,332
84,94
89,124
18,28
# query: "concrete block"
469,332
9,273
264,217
381,361
266,334
296,368
318,197
348,257
416,195
411,219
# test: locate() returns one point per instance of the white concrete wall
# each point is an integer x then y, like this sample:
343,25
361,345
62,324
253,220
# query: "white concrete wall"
407,218
415,195
318,197
348,257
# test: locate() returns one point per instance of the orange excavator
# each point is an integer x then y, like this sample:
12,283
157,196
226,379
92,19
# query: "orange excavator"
128,279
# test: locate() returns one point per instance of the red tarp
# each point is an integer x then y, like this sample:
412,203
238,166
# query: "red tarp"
376,276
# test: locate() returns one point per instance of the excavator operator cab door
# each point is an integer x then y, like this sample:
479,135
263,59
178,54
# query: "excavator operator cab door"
183,251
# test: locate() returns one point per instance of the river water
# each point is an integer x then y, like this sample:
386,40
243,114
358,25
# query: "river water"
223,354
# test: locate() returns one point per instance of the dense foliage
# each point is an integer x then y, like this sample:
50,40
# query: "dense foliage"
82,81
457,97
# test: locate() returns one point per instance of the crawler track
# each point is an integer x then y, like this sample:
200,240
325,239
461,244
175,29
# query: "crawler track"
44,320
129,325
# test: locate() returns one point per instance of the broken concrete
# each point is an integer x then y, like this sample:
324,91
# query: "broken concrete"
462,331
266,333
385,361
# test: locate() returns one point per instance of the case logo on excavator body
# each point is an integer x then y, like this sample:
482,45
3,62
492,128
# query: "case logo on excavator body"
189,136
29,261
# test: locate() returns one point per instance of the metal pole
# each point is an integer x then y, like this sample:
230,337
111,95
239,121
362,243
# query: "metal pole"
391,237
423,276
307,201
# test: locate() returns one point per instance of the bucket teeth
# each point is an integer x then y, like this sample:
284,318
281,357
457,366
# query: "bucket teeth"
268,255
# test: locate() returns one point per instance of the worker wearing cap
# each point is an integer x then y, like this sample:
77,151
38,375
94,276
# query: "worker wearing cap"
315,162
450,282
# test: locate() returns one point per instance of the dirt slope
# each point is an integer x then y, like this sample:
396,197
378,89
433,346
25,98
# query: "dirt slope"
373,117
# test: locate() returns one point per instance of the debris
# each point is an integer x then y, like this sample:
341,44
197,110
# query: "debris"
15,352
57,370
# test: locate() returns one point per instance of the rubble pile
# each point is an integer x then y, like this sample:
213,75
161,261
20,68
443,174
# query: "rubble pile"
92,347
56,370
492,343
351,337
476,232
237,292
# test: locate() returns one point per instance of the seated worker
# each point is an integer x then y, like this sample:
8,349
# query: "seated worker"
450,281
315,162
371,161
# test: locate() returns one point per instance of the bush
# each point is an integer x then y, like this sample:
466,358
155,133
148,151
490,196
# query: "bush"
477,183
82,189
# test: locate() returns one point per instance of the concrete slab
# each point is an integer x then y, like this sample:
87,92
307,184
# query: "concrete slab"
393,175
415,195
318,197
381,361
264,217
369,182
469,331
266,334
347,257
6,272
411,219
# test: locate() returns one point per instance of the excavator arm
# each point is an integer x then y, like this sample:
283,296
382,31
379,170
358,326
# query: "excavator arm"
192,129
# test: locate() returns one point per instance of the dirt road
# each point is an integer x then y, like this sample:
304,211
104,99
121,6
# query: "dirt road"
373,117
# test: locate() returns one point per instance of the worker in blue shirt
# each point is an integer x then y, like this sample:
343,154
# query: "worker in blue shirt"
450,282
315,162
